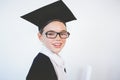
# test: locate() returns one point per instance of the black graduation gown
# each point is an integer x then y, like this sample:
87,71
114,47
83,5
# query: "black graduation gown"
42,69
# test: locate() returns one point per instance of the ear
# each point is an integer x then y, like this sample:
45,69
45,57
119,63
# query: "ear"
39,36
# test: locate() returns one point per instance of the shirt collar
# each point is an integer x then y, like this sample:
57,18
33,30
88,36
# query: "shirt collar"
56,58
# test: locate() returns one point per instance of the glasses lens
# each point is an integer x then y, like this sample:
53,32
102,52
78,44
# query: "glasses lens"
64,35
51,34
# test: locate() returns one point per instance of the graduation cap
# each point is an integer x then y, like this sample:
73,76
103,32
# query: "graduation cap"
57,10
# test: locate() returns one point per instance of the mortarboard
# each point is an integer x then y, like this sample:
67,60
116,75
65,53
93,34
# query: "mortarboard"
57,10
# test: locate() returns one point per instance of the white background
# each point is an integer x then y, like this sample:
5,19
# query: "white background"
91,53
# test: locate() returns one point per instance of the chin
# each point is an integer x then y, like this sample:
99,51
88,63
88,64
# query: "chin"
56,51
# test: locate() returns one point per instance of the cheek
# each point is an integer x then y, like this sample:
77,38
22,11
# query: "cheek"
64,41
47,42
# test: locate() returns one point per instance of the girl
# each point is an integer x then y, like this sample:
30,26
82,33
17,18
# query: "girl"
50,20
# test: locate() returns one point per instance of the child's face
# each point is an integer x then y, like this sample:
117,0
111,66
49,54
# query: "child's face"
53,44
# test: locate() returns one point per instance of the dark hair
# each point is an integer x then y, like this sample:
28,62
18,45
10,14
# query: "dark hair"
41,29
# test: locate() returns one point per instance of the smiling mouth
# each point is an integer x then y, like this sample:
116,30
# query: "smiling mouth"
57,45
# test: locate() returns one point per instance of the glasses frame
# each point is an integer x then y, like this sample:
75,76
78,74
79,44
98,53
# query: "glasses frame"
57,33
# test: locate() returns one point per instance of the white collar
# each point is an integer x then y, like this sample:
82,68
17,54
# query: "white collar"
56,58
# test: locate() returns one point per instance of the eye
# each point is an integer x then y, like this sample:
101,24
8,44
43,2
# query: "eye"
51,33
64,33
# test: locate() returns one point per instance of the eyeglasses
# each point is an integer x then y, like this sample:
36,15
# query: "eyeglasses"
53,34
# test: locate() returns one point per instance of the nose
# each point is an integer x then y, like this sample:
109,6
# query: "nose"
58,37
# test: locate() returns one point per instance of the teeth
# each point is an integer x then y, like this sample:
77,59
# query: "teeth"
57,44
